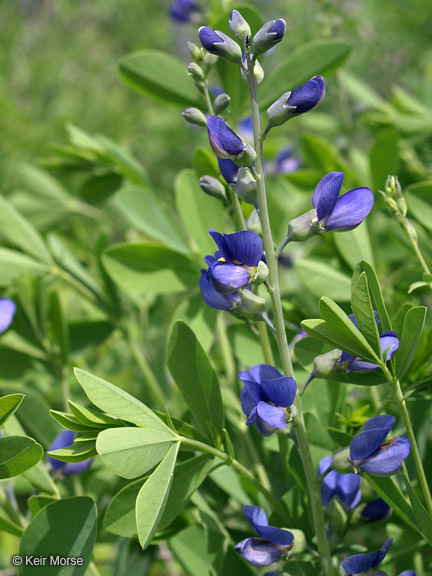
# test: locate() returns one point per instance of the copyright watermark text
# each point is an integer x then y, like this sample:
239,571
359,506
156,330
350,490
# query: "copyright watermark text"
47,561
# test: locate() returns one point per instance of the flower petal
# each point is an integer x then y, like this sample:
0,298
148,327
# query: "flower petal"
255,390
245,246
408,573
308,95
224,141
350,210
388,458
213,298
264,372
72,468
227,278
280,391
209,38
376,510
272,415
258,552
326,193
324,465
389,342
7,313
247,402
277,28
366,443
362,562
384,421
328,487
63,440
348,490
276,536
256,516
229,170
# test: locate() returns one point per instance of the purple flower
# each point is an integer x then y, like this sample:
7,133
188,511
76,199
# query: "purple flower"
216,42
229,170
183,11
362,562
344,213
307,96
268,36
371,454
214,299
7,313
271,544
235,263
266,396
408,573
345,486
64,440
376,510
226,144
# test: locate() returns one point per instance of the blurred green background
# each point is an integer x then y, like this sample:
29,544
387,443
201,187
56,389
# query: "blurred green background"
58,65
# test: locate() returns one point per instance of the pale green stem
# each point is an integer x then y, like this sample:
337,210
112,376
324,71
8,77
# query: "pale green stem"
414,244
208,99
265,344
237,210
241,470
398,394
226,348
92,570
305,454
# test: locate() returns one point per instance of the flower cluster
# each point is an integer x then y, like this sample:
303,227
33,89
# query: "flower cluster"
344,486
271,544
266,397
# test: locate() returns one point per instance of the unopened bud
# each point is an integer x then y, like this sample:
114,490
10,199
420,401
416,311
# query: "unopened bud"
239,28
221,103
304,227
213,187
258,73
253,222
194,116
196,52
196,72
325,365
246,187
208,62
340,461
252,306
262,273
216,42
268,36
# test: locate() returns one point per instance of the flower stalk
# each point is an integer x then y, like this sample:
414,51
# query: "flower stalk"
311,478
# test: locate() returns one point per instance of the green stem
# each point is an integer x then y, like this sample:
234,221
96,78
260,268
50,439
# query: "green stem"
92,570
265,343
398,394
237,210
208,99
241,470
226,348
272,263
416,248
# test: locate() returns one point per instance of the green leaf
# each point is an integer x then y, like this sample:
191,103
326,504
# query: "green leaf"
204,163
13,264
421,210
159,76
195,376
117,402
363,312
19,232
18,454
354,245
88,333
199,317
388,490
323,280
37,502
424,521
412,330
198,211
131,452
10,528
150,268
384,156
147,214
69,421
9,405
301,569
58,326
78,452
322,155
120,517
153,497
66,528
311,58
377,297
90,417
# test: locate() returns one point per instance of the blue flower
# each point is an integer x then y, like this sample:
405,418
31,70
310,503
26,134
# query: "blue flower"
216,42
213,298
226,144
235,263
307,96
344,213
408,573
64,440
266,396
371,454
345,486
376,510
268,36
271,544
229,170
362,562
7,313
183,11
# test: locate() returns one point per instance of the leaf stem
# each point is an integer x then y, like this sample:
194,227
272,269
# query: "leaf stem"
399,397
277,506
272,263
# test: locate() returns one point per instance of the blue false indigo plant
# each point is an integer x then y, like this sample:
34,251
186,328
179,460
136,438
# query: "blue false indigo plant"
178,469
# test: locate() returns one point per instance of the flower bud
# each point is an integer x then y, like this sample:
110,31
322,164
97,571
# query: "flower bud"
208,62
303,227
262,273
300,100
196,52
252,306
194,116
325,365
299,544
258,73
227,145
196,72
239,28
253,222
268,36
222,103
212,187
340,461
218,43
246,187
